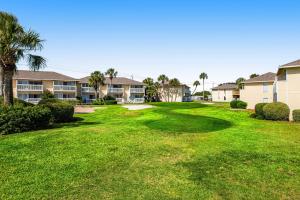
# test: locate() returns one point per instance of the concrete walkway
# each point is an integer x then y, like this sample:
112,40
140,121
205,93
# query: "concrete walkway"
137,107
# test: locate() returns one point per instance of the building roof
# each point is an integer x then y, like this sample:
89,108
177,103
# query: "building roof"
42,75
295,63
267,77
117,80
226,86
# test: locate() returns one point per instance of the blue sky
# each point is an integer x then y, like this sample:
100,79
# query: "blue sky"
225,39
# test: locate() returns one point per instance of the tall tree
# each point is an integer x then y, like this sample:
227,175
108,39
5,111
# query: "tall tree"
239,82
16,44
254,75
111,73
163,79
196,84
174,83
97,80
203,76
150,89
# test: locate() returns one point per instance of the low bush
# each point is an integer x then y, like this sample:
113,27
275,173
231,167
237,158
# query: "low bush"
238,104
276,111
241,104
233,104
98,102
61,111
16,119
259,110
110,102
108,97
296,115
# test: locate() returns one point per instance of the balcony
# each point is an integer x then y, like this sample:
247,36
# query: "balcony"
137,90
115,90
29,87
88,89
64,88
68,99
33,100
120,100
138,100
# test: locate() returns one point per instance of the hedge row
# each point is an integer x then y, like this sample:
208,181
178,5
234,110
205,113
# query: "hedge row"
238,104
61,111
16,119
296,115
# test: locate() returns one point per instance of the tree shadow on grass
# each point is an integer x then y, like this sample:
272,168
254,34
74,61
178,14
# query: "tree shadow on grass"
230,173
179,123
76,123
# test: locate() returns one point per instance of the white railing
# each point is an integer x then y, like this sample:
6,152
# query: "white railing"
137,90
33,100
120,100
64,88
115,90
87,89
68,99
29,87
138,100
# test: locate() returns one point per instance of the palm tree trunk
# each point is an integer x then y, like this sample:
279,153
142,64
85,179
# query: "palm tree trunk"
203,90
1,80
195,90
8,87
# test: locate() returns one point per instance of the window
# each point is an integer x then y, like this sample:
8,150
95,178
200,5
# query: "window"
265,87
84,85
23,82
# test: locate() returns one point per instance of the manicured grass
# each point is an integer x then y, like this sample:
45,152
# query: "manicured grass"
173,151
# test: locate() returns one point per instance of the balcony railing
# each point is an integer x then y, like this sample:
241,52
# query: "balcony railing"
33,100
138,100
68,99
64,88
120,100
115,90
87,89
137,90
29,87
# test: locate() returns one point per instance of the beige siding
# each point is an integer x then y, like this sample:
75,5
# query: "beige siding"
288,91
222,95
15,94
254,93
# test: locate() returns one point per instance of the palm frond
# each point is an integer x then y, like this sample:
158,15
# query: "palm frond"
36,62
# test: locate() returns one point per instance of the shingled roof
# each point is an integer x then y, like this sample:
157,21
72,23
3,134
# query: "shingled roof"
295,63
117,81
267,77
226,86
42,75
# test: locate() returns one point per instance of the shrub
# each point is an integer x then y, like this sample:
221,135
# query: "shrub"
47,95
259,110
61,111
241,104
296,115
233,104
110,102
15,119
238,104
98,102
18,102
276,111
108,97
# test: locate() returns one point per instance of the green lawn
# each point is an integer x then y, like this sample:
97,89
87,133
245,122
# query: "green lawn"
173,151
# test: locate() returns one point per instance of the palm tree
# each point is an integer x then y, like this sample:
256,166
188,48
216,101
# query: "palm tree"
254,75
16,44
174,83
203,76
111,73
96,80
239,82
196,84
163,79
